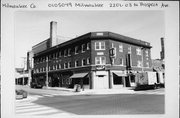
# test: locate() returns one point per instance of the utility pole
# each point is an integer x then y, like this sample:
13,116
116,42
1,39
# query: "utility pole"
24,62
142,59
47,71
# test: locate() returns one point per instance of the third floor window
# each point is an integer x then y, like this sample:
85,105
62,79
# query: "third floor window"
100,45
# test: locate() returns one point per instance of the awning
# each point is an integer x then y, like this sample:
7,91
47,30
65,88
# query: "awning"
120,74
79,75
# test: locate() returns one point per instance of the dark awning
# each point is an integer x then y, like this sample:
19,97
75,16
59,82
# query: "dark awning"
79,75
120,74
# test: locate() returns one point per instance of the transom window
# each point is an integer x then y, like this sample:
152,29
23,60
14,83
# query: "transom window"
100,45
100,60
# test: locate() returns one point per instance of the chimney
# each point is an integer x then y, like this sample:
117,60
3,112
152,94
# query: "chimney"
162,48
53,33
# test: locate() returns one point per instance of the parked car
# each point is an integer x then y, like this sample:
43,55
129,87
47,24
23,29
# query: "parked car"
20,94
36,85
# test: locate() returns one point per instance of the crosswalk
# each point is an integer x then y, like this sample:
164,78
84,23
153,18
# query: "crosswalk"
31,109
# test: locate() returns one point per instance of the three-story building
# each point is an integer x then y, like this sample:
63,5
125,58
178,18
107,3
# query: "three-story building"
95,60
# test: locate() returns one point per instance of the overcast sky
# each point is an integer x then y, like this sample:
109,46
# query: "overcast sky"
33,27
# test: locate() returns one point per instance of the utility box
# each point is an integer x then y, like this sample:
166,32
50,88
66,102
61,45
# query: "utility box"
152,79
141,79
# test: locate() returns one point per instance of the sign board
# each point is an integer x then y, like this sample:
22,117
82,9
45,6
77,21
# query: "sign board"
100,53
100,67
99,34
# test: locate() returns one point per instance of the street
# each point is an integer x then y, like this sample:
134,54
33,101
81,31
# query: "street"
145,102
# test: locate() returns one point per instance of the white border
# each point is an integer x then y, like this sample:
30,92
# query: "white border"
171,55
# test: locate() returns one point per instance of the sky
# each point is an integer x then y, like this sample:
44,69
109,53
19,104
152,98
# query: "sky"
32,27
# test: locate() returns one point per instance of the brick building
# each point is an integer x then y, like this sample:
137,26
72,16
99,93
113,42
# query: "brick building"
95,60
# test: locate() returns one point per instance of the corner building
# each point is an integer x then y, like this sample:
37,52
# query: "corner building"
96,60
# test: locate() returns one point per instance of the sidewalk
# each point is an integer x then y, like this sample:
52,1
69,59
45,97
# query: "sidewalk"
94,91
71,91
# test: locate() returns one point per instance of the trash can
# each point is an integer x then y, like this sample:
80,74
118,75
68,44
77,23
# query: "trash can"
77,88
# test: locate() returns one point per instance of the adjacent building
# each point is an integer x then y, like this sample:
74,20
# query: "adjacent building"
96,60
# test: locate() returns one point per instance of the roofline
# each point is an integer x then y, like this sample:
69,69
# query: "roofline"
91,35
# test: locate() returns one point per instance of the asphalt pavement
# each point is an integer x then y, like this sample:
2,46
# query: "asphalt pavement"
56,102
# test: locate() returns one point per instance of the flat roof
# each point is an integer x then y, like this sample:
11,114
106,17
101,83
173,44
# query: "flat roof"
100,35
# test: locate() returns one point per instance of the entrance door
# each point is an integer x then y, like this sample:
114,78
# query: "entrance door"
101,80
127,81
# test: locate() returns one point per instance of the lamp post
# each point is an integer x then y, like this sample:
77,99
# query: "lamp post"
47,71
142,59
24,61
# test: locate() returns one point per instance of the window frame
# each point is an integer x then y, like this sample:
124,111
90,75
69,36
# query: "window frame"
122,61
120,48
100,59
76,50
129,49
138,51
100,45
83,48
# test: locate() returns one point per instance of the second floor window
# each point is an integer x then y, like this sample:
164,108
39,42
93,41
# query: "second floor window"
88,60
147,64
76,63
65,65
100,60
69,65
100,45
83,62
139,63
121,61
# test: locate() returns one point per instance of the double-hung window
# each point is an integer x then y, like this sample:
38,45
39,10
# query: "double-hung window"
100,60
120,48
83,48
69,52
121,61
88,46
129,50
76,50
138,51
83,62
100,45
